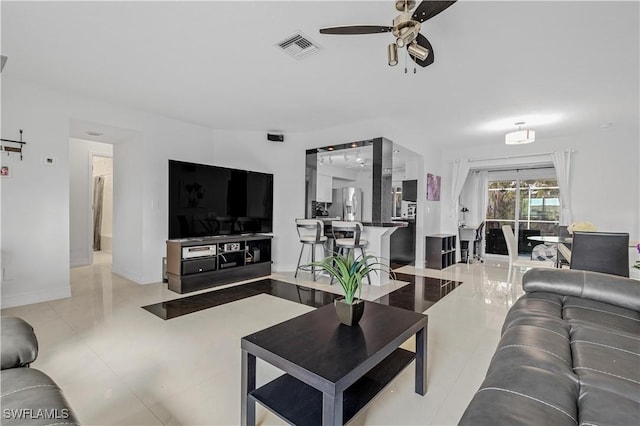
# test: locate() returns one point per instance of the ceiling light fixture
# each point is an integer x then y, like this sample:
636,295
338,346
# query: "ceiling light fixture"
520,136
407,32
94,133
418,51
392,52
534,120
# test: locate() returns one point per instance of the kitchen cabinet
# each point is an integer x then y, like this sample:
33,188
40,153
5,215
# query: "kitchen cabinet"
324,187
403,244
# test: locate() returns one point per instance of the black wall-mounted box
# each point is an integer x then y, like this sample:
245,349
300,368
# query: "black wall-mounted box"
409,190
275,137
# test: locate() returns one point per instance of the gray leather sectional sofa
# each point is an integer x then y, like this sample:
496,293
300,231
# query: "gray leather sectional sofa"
569,354
29,397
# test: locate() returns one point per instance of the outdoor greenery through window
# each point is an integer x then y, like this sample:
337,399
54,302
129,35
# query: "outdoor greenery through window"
529,206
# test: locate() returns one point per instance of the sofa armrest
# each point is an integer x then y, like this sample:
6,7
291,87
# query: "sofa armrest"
19,343
612,289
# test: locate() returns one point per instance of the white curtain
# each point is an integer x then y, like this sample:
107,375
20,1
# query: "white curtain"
562,164
459,176
98,197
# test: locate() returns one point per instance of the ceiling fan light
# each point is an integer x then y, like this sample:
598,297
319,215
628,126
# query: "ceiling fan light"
418,51
392,52
406,35
520,137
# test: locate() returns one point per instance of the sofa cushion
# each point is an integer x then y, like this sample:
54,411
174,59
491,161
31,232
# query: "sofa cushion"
543,306
30,397
524,396
601,315
598,406
19,343
614,356
535,347
611,289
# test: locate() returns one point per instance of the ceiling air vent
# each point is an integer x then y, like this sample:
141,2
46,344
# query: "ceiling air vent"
298,45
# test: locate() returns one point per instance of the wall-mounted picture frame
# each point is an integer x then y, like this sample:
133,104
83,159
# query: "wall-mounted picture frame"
433,187
5,171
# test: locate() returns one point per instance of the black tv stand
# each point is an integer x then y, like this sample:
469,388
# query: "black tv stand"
198,263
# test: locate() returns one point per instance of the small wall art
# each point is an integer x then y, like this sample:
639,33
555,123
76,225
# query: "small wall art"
433,187
5,171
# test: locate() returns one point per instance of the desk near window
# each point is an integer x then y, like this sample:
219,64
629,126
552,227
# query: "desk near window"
470,237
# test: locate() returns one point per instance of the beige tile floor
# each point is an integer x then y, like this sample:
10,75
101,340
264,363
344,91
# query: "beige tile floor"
119,364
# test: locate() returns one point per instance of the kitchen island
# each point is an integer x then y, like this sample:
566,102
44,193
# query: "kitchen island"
378,236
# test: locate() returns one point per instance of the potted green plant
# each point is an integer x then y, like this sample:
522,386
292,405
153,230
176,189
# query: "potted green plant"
350,272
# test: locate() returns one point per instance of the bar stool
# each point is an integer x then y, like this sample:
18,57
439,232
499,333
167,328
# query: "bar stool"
311,232
350,244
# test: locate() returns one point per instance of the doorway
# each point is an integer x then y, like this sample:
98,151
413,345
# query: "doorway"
81,196
102,208
526,200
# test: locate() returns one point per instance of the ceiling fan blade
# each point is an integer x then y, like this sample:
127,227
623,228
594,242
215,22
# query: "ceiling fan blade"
422,41
356,29
428,9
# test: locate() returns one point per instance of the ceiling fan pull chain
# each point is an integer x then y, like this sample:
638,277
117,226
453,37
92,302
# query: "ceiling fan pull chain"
405,61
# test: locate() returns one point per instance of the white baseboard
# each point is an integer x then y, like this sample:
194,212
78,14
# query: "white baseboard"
276,267
106,243
79,261
420,264
136,278
45,295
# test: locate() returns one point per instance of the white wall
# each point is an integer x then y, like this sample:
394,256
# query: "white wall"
251,151
80,198
605,175
35,201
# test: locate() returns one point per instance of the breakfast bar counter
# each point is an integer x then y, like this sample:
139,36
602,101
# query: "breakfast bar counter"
378,235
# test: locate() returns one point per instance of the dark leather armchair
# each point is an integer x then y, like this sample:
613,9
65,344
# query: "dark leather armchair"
606,252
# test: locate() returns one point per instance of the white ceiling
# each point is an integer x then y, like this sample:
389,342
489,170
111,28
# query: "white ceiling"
215,63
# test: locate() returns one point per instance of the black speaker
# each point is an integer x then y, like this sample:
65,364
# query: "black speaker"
198,265
275,137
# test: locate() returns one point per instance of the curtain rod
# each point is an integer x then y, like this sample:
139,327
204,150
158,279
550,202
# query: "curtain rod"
515,156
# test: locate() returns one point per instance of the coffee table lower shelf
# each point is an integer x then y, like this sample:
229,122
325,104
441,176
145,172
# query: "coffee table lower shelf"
300,404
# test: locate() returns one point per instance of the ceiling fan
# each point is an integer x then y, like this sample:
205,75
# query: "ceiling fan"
406,29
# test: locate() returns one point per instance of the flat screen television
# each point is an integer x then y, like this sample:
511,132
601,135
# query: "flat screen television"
209,200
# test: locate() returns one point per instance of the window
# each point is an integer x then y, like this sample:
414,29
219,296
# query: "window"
530,204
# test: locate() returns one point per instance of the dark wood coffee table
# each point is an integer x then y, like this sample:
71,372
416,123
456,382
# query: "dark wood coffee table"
332,370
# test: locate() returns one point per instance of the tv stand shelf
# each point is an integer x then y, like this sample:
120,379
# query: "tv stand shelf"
198,263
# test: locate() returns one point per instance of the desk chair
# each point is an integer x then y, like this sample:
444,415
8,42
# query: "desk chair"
514,260
477,243
311,233
346,237
606,252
